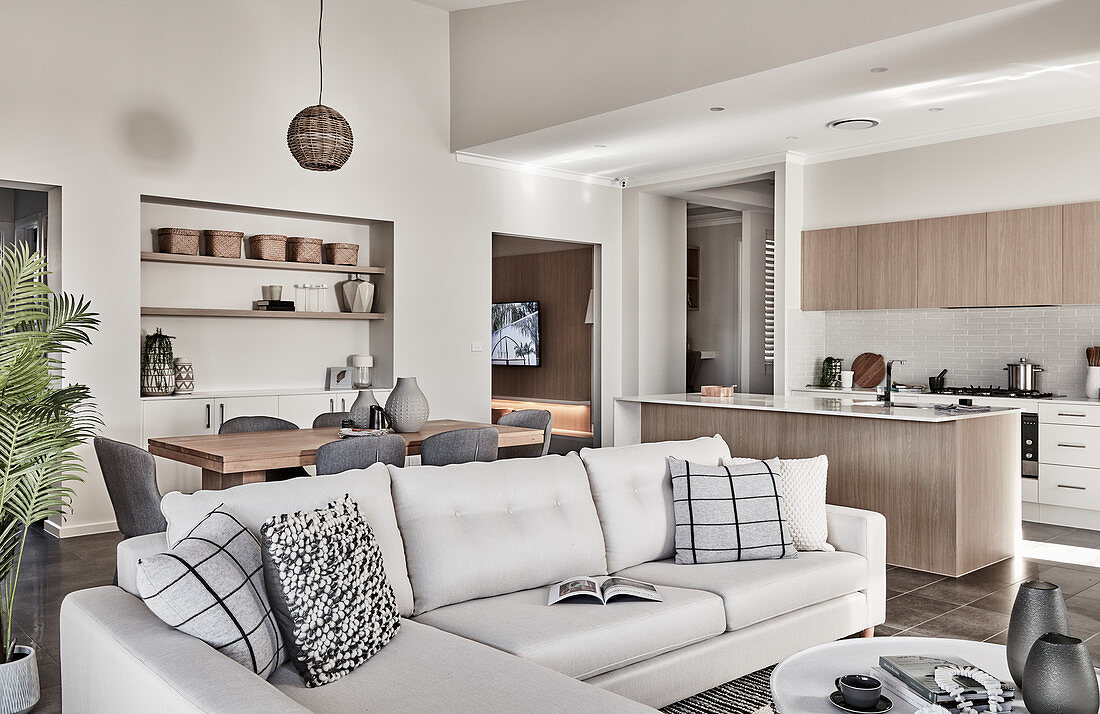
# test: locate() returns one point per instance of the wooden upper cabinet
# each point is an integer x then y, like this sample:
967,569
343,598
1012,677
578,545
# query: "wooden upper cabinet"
887,262
1023,251
829,269
1081,253
951,261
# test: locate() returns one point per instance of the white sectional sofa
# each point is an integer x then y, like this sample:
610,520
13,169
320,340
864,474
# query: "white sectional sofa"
470,550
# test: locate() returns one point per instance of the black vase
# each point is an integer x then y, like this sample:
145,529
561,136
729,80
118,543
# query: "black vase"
1039,609
1060,677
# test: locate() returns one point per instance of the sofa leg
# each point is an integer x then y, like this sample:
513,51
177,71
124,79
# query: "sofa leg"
869,632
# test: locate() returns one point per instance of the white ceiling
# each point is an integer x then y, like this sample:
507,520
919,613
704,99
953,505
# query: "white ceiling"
452,5
1034,64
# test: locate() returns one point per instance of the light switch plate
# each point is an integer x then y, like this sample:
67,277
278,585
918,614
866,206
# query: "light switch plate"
477,347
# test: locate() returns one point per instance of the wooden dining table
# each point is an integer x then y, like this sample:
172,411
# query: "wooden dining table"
232,459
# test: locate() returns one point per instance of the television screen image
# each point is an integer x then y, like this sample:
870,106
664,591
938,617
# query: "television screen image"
516,334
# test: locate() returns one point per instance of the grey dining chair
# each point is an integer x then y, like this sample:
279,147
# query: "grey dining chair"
248,424
359,452
460,446
131,477
329,419
528,419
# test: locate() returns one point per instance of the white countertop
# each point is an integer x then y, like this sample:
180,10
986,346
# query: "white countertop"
803,404
929,398
274,392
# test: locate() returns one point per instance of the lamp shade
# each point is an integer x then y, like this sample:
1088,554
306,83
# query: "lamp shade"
320,138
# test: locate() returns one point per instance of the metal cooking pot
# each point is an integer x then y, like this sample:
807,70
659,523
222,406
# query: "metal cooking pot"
1023,375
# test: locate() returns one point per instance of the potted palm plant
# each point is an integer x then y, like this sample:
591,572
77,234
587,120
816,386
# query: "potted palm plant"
42,422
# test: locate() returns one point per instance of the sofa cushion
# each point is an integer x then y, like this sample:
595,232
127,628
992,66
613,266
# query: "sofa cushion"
632,488
584,639
256,502
482,529
757,590
427,670
804,485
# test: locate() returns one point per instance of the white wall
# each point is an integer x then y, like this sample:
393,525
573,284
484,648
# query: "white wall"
714,326
192,100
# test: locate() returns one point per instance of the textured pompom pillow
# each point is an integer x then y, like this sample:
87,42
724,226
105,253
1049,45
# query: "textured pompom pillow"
328,587
804,482
211,586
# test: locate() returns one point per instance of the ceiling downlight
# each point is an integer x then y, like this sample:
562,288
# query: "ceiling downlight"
854,124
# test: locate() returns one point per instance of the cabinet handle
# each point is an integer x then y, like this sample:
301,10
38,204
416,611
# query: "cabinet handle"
221,419
207,416
331,406
1072,446
342,407
1071,414
1072,488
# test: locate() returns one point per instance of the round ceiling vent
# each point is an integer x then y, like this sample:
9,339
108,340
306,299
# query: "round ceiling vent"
853,124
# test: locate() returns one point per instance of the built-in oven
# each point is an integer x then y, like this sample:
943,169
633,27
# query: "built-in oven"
1029,444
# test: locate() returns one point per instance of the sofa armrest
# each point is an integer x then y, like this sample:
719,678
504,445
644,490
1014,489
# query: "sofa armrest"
117,656
130,551
863,532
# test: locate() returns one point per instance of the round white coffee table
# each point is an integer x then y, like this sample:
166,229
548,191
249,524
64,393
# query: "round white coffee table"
801,684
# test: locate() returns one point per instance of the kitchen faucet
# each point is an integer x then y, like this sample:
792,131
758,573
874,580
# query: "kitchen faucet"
887,398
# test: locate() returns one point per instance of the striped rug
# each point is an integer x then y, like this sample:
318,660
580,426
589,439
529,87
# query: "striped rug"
751,694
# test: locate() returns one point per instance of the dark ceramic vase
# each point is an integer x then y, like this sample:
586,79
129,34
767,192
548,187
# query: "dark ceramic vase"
1060,677
1039,609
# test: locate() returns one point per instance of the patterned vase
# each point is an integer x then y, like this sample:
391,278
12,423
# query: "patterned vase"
1039,609
1060,677
185,376
360,408
158,374
19,689
407,406
356,294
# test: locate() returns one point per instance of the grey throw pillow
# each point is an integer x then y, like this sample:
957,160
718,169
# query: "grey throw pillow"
730,512
328,587
211,586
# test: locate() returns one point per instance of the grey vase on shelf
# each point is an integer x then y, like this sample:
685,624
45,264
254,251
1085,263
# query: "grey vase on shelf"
1039,609
360,408
407,406
1060,677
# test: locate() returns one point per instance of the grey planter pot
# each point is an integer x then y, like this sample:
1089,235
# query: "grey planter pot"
407,406
19,690
1060,677
1039,609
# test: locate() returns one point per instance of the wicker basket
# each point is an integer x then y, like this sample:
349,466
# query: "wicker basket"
341,253
183,241
303,250
224,244
267,246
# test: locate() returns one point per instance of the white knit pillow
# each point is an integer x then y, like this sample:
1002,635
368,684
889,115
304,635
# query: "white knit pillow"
804,482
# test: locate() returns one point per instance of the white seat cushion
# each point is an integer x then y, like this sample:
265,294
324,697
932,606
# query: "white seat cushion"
584,639
254,503
482,529
758,590
427,670
632,488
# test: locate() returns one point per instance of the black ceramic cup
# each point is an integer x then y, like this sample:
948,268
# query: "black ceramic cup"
859,690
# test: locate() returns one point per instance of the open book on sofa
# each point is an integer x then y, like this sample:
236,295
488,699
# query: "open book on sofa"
589,588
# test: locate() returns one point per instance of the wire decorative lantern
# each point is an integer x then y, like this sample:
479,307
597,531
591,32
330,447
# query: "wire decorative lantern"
319,137
158,374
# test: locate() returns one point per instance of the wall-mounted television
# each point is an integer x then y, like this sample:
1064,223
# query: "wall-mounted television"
515,334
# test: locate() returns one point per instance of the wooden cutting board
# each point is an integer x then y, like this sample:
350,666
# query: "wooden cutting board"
869,369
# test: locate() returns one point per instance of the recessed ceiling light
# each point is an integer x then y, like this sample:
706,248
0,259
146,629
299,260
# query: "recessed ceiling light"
718,109
876,70
601,146
935,109
853,124
791,138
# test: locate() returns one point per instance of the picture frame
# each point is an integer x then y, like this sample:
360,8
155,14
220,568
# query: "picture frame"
339,378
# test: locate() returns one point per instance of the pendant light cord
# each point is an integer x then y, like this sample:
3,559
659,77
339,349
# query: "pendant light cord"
320,58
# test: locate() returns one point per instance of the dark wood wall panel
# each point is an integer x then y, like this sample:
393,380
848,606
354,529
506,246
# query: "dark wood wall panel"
561,282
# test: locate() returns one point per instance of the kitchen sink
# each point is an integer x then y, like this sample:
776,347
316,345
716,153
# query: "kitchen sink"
895,405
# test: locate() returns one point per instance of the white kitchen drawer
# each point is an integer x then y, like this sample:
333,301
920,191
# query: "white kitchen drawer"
1069,445
1070,486
1077,414
1029,490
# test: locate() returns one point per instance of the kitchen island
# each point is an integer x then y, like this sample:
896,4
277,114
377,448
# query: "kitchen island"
948,484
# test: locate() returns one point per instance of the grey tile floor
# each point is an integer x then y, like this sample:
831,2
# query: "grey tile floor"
974,607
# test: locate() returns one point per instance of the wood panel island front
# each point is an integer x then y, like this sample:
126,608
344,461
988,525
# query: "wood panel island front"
948,484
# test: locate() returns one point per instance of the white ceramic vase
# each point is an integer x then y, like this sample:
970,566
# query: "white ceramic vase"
1092,382
407,406
358,295
19,688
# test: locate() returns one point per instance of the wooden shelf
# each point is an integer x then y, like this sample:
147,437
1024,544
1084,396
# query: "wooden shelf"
264,264
219,312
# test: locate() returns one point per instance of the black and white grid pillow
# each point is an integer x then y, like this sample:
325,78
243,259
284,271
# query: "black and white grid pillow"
328,586
211,586
731,512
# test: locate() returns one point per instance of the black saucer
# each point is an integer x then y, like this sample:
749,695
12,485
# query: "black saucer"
837,700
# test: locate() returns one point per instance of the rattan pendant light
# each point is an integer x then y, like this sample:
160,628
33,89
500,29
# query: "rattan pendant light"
320,137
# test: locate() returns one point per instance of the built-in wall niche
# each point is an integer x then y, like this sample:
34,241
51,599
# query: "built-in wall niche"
206,303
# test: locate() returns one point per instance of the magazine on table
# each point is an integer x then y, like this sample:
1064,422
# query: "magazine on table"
585,588
918,674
